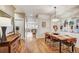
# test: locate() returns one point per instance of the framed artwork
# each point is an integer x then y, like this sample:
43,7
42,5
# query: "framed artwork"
77,22
65,23
61,27
71,23
44,24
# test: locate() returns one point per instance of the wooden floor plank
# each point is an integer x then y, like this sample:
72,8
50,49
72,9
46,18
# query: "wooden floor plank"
39,46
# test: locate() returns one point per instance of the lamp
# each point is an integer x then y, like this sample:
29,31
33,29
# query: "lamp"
4,22
55,18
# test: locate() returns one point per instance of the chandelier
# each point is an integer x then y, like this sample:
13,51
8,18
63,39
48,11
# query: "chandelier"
55,19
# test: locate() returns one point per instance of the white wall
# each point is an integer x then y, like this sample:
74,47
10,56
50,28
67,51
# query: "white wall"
41,30
19,21
20,24
41,18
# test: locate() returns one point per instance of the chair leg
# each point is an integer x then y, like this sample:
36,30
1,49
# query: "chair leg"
72,49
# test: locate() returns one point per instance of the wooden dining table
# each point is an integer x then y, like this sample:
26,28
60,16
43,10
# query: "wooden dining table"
61,39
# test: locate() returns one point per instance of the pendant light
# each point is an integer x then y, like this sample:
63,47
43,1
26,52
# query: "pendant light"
55,19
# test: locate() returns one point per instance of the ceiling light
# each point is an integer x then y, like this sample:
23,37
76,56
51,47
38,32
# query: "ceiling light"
55,19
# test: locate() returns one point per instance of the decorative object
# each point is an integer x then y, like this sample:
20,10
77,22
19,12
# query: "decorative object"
71,23
65,23
77,27
17,29
71,28
4,22
4,33
44,24
77,21
61,27
55,27
34,31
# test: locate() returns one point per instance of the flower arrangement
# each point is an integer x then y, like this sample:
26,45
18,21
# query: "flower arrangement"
55,27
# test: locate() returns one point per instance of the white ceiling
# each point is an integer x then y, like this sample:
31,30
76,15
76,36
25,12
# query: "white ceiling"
62,10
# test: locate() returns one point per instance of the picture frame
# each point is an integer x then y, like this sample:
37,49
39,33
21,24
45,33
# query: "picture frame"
43,24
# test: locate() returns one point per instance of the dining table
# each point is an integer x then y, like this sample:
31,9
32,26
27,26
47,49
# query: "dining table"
62,39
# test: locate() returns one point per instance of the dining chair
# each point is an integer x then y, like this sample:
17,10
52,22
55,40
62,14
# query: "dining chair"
70,43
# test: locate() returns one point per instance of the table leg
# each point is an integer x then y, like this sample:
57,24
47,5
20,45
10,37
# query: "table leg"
60,47
9,49
45,39
72,48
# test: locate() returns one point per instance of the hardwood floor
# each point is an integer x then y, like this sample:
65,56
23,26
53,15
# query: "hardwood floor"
39,46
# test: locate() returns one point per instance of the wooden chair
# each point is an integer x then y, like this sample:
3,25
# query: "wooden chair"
54,41
47,37
70,43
